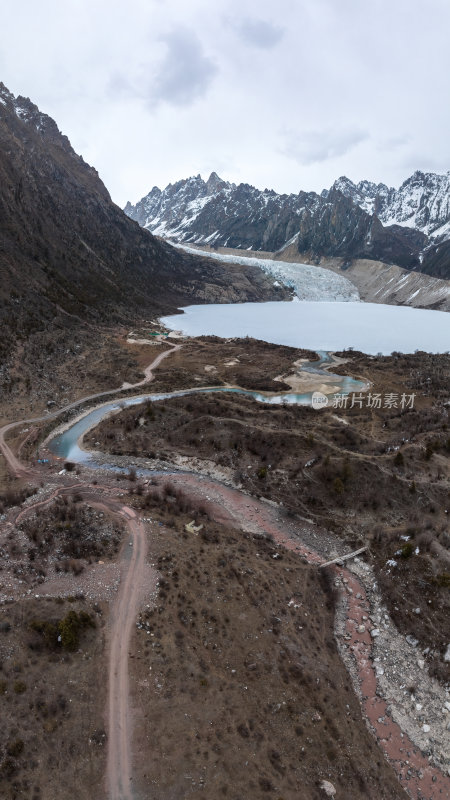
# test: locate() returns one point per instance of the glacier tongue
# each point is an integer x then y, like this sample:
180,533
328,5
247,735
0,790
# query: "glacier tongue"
308,282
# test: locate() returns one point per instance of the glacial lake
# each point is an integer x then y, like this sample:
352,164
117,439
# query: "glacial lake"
370,327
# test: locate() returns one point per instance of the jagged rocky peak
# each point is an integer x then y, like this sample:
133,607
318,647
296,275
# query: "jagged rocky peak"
371,189
196,184
5,94
344,185
215,184
422,202
162,211
364,187
28,112
427,183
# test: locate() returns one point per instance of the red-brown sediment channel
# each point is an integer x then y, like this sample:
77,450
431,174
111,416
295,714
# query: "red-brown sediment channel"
420,780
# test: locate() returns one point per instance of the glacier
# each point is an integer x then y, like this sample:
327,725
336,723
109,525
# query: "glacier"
308,282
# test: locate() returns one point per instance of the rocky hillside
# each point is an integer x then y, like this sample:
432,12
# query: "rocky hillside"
348,221
66,248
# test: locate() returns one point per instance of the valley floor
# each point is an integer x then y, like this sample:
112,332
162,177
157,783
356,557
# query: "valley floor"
237,685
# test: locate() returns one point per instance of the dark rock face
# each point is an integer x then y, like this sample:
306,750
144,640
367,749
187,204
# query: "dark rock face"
436,260
345,221
65,245
343,229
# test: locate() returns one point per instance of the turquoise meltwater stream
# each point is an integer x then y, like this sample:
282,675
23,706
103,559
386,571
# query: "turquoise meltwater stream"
65,445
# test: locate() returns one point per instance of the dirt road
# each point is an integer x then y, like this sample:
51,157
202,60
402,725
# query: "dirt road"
134,578
123,619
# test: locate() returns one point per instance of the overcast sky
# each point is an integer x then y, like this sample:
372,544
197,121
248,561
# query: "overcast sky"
288,94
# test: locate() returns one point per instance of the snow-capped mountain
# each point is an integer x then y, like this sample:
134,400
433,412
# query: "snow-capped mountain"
366,221
421,202
218,213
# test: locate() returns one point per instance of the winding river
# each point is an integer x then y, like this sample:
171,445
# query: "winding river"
66,444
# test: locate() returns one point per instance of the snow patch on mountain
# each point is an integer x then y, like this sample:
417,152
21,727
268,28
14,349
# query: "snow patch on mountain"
308,282
421,202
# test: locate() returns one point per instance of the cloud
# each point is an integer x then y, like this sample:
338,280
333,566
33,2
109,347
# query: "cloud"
393,143
259,33
422,160
335,71
185,72
119,86
313,147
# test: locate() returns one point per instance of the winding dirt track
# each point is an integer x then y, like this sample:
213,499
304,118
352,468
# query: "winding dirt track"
20,470
125,608
123,619
133,573
235,507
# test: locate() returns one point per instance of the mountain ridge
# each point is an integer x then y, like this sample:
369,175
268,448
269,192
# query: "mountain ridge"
364,220
422,201
65,247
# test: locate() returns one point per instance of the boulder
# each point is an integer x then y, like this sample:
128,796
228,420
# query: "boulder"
328,789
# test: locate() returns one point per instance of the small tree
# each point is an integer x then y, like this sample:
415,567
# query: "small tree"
69,631
399,460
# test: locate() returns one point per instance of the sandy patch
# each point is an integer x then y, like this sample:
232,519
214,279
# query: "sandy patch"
144,341
303,384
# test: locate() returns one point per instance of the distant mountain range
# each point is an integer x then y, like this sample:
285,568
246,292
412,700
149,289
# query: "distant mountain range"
409,226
